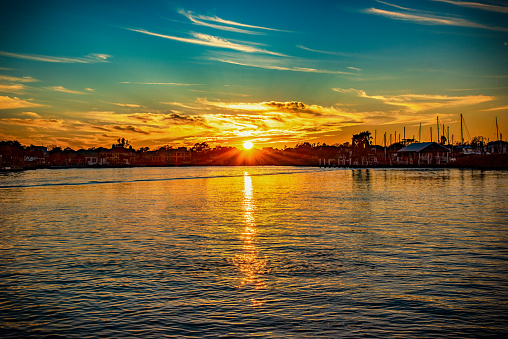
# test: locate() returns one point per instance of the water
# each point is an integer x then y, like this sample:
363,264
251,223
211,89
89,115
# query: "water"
253,251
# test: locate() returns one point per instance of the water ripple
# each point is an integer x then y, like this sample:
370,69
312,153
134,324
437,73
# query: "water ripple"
249,252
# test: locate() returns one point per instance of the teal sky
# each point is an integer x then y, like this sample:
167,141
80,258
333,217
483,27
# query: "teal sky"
85,73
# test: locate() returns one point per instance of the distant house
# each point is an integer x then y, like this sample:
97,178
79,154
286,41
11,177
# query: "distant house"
91,157
424,153
498,146
35,155
173,156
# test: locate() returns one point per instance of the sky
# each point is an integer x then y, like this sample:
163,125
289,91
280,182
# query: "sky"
82,74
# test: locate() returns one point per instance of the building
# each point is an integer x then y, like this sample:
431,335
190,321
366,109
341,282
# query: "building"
169,156
498,146
424,153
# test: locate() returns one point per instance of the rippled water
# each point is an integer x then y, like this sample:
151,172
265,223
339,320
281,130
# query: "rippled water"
253,251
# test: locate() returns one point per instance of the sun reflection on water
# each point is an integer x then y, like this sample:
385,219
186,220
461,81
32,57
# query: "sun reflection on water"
250,264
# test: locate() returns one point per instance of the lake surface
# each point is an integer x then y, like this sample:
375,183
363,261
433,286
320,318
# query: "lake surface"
253,251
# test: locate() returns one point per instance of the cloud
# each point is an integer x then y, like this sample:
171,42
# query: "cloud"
17,79
486,7
271,121
203,20
358,92
354,68
126,105
211,41
31,115
130,129
16,88
41,123
159,83
8,102
322,52
425,18
286,111
420,102
179,104
281,68
496,108
89,59
64,90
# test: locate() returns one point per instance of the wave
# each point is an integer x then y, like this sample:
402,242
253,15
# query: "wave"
119,181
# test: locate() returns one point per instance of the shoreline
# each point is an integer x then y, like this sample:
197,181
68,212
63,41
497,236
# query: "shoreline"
474,162
447,166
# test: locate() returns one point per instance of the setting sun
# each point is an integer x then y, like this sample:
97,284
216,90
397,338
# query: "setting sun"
247,145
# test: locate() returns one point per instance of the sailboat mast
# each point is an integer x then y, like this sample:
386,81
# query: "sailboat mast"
385,145
461,132
497,130
437,118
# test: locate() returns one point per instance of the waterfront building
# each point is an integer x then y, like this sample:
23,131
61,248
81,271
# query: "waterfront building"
424,153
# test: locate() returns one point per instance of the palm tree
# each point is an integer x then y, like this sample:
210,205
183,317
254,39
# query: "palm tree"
361,143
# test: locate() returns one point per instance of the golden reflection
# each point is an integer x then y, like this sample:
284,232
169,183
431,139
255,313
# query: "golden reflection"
251,266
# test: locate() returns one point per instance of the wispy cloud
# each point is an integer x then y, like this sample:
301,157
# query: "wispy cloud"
420,102
321,52
64,90
496,108
8,102
211,41
425,18
179,104
158,83
125,105
16,88
37,122
228,25
17,79
281,68
31,115
486,7
130,129
89,59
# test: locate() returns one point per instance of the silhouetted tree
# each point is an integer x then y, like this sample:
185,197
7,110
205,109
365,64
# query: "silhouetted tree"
303,145
12,153
361,143
200,147
122,142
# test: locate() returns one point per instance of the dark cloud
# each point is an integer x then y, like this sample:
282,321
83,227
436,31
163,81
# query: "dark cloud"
294,107
130,129
180,119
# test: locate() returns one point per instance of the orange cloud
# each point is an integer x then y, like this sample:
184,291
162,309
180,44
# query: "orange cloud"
17,79
497,108
16,88
8,102
420,102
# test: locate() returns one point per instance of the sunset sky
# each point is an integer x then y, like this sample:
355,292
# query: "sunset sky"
85,73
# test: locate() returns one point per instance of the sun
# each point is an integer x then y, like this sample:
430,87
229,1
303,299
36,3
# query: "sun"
247,145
